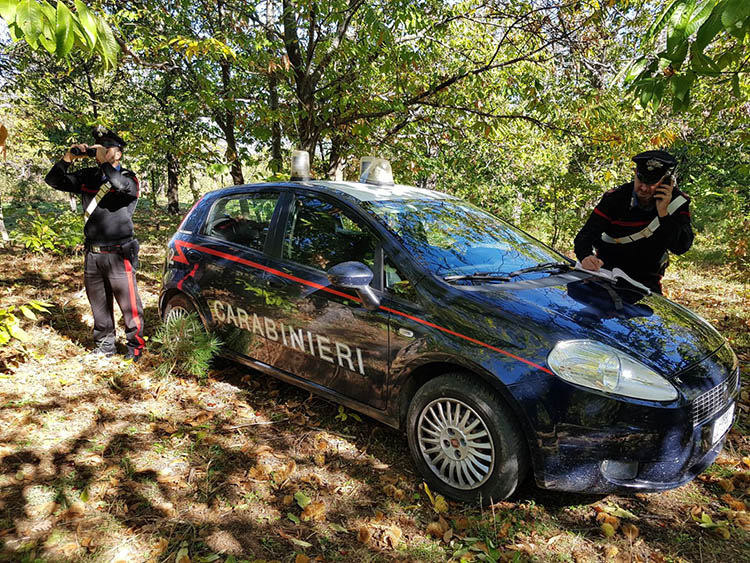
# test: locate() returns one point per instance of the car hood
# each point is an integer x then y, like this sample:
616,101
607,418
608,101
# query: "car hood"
660,333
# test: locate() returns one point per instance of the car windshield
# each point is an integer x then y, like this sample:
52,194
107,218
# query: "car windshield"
452,237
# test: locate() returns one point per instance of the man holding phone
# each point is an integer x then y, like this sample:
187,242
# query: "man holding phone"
637,224
109,194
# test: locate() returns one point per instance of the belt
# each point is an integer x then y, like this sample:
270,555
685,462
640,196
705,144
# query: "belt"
104,249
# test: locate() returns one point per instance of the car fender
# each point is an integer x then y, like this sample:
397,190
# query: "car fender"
409,377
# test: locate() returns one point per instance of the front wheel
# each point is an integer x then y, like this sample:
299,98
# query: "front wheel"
178,306
465,441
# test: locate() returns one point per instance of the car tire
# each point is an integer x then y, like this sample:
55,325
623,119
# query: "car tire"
178,306
486,467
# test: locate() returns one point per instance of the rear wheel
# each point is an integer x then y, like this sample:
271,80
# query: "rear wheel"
465,441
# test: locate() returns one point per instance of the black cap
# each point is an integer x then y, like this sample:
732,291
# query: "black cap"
652,166
107,138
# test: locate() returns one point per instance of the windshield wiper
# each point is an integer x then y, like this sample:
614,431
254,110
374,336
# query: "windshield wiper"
541,268
477,276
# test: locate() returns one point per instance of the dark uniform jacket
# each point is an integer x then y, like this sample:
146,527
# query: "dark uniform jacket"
618,215
112,220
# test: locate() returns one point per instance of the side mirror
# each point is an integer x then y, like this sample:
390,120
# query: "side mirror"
357,276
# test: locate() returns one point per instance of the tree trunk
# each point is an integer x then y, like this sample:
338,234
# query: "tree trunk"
3,230
276,165
227,126
173,205
193,189
154,191
336,161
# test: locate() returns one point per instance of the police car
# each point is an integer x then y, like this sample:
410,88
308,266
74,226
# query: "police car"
496,356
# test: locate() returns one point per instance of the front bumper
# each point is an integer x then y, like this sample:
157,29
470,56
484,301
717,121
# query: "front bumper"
576,431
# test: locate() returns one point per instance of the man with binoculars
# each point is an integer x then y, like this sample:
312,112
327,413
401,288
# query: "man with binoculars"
109,194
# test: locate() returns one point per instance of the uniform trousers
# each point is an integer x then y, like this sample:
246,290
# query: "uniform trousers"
109,275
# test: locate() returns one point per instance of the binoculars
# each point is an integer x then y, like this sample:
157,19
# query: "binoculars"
77,152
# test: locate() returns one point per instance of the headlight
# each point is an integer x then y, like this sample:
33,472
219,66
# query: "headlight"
601,367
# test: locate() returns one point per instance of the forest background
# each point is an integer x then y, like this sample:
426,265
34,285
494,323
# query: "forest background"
530,109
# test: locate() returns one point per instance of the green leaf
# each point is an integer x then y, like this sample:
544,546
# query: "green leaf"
85,495
302,499
28,313
29,20
337,527
300,543
108,45
708,30
735,12
8,10
18,333
662,20
88,23
64,35
736,85
293,518
702,63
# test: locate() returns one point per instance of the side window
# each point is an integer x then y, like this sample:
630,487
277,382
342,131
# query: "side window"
321,235
396,282
242,219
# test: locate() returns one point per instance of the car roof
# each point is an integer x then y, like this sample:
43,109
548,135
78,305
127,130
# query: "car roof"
372,192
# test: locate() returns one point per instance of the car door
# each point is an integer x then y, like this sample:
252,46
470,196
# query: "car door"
322,333
233,242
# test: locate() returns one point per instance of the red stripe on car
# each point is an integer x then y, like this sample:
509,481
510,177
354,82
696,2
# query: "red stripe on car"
180,257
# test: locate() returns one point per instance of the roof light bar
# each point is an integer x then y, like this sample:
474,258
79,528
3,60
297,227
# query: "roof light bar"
300,166
373,170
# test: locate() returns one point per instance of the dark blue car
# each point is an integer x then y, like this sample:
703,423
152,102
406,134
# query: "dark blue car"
492,351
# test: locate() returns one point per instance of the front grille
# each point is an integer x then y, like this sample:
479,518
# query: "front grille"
713,401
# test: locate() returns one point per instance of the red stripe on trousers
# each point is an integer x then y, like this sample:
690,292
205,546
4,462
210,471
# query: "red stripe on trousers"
134,306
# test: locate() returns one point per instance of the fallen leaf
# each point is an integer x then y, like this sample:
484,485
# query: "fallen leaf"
313,479
320,459
314,511
461,523
69,549
302,499
611,551
630,531
554,539
301,558
721,531
726,484
182,556
295,541
504,529
440,505
160,546
288,500
259,472
447,536
393,536
746,461
615,510
604,518
734,504
262,450
742,521
435,530
364,535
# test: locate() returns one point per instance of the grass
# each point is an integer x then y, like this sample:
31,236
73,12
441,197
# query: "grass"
112,464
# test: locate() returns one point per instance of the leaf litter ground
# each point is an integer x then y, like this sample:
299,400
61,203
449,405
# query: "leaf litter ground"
107,462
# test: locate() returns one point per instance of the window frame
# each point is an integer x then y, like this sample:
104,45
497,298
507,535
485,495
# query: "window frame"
358,216
244,196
